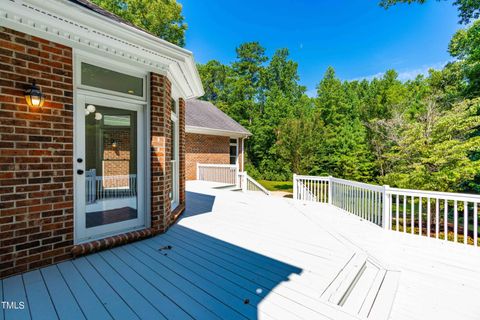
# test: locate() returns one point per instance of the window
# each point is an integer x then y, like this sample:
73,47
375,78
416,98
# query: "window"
116,120
233,151
107,79
174,106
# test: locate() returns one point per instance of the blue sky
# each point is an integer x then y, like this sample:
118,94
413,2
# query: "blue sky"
357,37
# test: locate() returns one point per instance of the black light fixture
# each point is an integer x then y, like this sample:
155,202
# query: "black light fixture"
34,96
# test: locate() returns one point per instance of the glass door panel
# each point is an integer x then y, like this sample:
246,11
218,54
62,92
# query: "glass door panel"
111,165
110,183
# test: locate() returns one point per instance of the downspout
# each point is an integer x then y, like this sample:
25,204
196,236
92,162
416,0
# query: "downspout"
243,155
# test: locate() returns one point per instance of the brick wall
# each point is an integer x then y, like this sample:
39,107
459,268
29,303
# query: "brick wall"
36,158
36,177
160,151
116,156
201,148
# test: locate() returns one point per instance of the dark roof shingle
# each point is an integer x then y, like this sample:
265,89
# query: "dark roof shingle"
204,114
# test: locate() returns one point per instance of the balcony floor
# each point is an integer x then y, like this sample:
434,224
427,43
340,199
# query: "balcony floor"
249,256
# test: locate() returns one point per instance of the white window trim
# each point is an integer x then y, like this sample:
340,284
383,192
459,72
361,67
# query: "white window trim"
236,150
78,56
175,201
81,56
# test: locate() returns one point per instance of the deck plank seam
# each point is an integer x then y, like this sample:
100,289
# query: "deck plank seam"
156,288
111,287
101,255
200,288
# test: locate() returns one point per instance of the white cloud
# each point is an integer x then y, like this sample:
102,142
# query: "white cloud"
311,93
407,74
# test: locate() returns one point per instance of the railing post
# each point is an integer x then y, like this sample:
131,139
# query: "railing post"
244,183
295,187
236,177
198,172
330,188
386,208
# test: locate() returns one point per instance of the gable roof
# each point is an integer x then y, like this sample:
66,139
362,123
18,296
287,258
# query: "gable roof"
205,118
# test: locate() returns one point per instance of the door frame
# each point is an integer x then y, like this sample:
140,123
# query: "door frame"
81,233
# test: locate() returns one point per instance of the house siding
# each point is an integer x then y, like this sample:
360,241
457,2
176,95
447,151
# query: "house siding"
201,148
36,157
36,169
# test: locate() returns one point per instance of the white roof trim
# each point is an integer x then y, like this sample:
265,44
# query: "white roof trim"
215,132
75,26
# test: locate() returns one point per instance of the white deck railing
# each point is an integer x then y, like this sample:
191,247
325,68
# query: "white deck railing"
223,173
247,183
441,215
228,174
100,187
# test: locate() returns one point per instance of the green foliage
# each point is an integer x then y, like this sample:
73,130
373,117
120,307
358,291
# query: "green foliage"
162,18
434,151
285,186
468,9
342,148
423,133
465,45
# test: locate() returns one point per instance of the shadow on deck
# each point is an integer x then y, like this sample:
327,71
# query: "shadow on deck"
182,274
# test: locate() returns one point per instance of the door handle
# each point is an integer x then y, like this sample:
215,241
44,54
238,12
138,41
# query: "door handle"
79,171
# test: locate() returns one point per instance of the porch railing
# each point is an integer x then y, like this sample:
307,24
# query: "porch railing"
229,174
247,183
441,215
103,187
223,173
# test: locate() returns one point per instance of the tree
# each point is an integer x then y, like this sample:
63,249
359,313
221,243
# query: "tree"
342,150
434,152
468,9
214,79
465,45
297,143
163,18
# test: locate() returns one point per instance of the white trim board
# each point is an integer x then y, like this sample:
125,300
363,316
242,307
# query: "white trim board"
80,28
215,132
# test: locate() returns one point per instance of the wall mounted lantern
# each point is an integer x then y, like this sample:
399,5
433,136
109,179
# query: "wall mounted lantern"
34,96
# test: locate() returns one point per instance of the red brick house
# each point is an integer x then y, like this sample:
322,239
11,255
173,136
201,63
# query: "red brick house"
92,131
212,137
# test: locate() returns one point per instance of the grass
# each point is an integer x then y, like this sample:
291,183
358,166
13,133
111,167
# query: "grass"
285,186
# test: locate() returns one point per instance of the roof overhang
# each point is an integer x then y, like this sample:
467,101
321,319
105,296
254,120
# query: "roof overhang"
78,27
216,132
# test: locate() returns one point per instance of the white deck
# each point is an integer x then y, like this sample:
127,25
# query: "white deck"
285,258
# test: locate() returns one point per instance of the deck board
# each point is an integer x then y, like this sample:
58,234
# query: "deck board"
2,313
233,301
14,291
192,306
65,302
219,308
86,298
233,283
114,303
278,305
137,302
41,306
156,297
228,245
